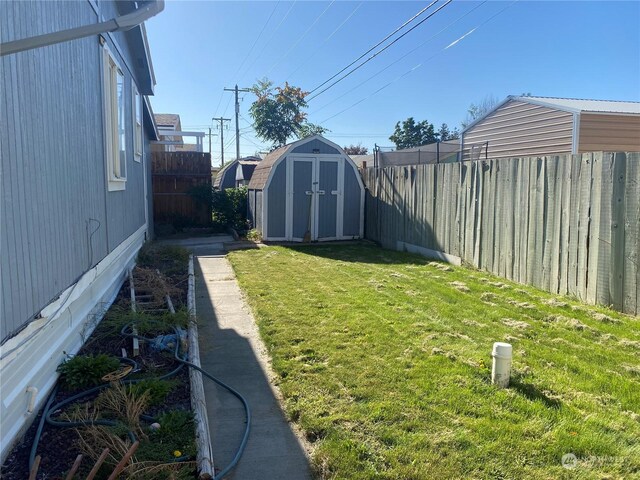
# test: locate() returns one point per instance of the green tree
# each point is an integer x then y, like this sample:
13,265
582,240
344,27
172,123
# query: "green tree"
278,113
308,129
446,134
412,134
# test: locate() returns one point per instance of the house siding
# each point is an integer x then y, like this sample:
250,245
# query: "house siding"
612,133
519,129
58,219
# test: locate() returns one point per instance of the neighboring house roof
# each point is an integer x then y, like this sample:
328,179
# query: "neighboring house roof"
165,119
359,159
571,105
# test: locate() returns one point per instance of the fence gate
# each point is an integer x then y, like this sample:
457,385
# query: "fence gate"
176,176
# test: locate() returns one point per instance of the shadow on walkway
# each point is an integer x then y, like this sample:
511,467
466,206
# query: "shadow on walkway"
230,349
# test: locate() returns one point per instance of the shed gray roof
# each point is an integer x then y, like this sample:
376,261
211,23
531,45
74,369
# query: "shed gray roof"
247,164
576,105
261,173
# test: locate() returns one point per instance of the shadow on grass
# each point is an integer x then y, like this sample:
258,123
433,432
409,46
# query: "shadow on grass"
533,393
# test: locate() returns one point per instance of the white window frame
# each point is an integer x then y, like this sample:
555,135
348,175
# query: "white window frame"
114,113
136,122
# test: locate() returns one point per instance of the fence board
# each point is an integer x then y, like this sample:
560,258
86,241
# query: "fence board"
632,235
174,176
569,224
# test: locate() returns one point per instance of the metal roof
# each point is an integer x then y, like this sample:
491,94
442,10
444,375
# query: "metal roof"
577,105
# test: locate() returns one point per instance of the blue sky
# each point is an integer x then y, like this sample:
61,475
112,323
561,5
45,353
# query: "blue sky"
548,48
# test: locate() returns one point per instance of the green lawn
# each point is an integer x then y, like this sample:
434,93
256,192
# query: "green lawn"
384,362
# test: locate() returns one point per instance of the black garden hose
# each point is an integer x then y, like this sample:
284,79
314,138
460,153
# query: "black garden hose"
231,390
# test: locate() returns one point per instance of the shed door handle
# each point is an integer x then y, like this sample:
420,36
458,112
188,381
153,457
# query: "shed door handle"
308,192
320,192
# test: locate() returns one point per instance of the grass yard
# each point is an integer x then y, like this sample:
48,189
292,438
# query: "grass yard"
384,361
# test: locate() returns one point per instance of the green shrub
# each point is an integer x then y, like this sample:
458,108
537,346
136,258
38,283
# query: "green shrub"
229,208
176,432
157,390
85,371
254,235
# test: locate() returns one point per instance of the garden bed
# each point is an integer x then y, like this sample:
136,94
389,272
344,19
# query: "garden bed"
158,388
384,361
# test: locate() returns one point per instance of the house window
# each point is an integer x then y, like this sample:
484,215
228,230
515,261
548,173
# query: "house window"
137,123
114,116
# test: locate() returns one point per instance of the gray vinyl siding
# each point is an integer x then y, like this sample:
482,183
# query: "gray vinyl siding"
352,206
318,146
520,129
277,200
58,219
258,211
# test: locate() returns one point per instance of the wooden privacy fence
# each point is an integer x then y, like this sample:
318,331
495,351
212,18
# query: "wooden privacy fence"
175,175
569,224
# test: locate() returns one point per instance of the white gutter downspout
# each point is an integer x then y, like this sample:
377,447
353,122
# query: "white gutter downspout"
575,141
125,22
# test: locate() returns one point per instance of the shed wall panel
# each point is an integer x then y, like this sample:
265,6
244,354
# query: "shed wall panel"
613,133
316,146
519,128
276,201
352,210
258,218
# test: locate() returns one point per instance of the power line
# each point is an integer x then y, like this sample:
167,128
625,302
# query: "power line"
377,45
420,64
312,55
381,50
256,40
300,39
399,59
264,45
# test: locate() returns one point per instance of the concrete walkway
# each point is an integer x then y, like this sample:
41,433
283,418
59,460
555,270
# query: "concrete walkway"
231,349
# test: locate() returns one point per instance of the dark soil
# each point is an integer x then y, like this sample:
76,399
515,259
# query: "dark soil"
58,446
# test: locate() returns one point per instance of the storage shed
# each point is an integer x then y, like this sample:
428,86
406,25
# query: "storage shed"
309,185
236,173
530,126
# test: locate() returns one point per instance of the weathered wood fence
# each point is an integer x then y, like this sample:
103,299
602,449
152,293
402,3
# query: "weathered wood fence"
567,224
174,177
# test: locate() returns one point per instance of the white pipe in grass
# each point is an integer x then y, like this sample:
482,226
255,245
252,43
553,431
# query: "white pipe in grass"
501,371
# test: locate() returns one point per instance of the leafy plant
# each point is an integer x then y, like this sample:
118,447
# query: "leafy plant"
254,235
85,371
230,208
156,390
175,434
413,134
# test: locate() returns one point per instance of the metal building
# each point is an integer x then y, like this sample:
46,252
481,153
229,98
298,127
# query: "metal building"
307,190
531,126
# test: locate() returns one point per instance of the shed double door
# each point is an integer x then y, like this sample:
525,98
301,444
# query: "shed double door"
316,198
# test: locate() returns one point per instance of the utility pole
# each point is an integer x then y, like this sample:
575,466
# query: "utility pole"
210,135
236,89
221,120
